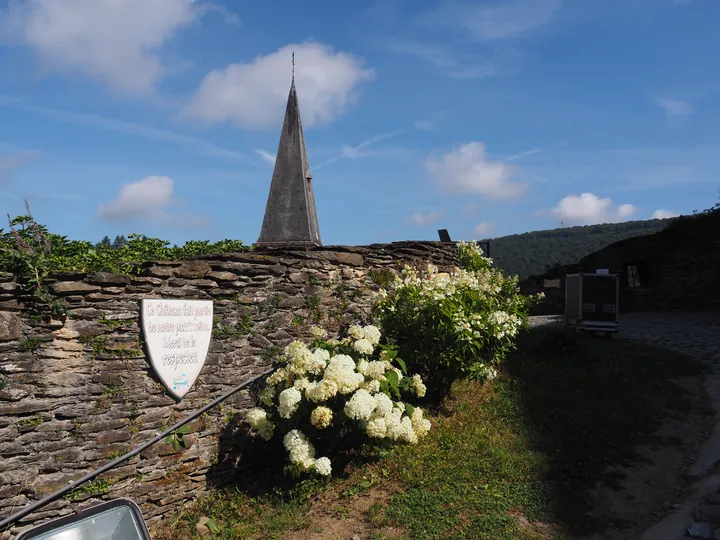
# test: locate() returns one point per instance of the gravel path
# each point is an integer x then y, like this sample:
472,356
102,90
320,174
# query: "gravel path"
697,335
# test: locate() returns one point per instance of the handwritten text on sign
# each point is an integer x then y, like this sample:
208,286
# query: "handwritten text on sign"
177,334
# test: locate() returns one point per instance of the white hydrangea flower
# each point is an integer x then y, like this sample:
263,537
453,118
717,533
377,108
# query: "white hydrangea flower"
319,361
340,362
322,355
350,381
289,402
393,427
302,384
372,334
398,409
295,348
361,405
323,466
402,431
421,426
356,332
376,369
302,361
322,391
278,376
372,386
256,417
362,366
301,450
363,346
321,417
258,420
418,386
318,332
376,427
341,370
384,405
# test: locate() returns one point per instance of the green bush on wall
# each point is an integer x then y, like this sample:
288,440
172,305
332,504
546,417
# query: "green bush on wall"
31,252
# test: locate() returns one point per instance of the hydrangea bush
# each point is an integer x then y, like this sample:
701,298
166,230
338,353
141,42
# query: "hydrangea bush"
346,390
457,324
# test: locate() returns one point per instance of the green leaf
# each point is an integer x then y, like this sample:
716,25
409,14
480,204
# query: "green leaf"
168,439
213,526
409,409
184,429
393,381
175,444
401,363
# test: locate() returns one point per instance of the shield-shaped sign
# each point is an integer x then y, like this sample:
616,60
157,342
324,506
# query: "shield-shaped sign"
177,334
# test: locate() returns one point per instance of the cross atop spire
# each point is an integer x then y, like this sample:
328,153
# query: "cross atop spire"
293,62
290,215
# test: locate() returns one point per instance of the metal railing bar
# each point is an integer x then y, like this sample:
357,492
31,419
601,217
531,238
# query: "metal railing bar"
59,493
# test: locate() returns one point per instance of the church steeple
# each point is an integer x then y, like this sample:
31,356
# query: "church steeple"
290,215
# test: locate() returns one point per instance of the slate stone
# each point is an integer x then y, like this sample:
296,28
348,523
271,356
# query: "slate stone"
73,287
9,326
107,278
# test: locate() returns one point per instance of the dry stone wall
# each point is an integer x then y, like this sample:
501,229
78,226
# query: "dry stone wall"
78,392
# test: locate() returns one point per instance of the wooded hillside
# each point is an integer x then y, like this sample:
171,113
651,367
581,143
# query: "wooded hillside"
532,253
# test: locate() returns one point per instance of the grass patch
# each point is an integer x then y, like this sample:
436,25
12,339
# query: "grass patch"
534,443
239,515
513,459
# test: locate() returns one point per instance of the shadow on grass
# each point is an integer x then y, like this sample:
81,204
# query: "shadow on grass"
588,403
512,459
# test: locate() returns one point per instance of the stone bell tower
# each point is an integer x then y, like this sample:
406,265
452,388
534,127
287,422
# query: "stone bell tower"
290,215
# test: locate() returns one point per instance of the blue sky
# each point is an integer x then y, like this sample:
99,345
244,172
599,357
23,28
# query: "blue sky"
485,117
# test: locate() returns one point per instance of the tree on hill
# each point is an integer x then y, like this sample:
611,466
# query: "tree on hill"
105,243
535,252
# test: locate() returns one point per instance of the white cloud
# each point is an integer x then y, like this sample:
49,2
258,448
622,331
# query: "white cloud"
466,169
664,214
459,64
423,125
253,94
148,198
482,228
116,42
675,108
490,21
356,152
423,219
589,209
267,156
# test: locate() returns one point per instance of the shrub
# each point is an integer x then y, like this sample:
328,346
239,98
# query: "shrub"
29,249
335,394
458,324
31,252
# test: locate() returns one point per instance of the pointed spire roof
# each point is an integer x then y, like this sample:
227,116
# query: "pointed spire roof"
290,215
